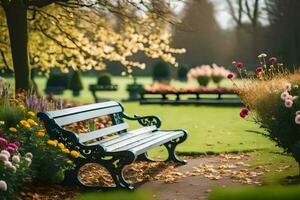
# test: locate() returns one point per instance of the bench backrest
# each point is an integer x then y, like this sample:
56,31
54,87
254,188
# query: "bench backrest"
71,115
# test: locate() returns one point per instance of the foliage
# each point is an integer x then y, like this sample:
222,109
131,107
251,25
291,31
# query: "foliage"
58,80
104,79
86,38
272,95
161,72
262,193
75,82
182,73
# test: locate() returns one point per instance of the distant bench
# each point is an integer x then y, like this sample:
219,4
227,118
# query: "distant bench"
148,97
112,147
95,88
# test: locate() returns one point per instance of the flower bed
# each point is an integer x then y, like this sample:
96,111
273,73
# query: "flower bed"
271,96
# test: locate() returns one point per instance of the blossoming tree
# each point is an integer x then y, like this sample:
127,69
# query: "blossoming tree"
82,35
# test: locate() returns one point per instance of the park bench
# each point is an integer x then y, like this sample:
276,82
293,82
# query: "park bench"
96,88
148,97
112,147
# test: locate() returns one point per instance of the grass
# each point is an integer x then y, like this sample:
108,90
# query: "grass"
262,193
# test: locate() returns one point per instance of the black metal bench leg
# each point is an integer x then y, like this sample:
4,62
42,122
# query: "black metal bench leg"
144,157
171,146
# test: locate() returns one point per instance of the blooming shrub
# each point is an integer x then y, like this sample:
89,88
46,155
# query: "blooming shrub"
271,96
204,73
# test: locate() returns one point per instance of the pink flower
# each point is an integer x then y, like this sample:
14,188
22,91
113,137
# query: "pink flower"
230,75
273,59
258,69
3,185
18,144
10,149
13,145
284,95
239,65
287,86
3,142
288,103
297,119
244,112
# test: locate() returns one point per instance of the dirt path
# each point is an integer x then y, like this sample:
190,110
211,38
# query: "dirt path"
167,181
190,187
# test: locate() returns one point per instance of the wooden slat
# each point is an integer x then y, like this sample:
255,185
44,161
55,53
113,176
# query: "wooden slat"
156,142
102,132
122,136
79,109
155,136
137,138
61,121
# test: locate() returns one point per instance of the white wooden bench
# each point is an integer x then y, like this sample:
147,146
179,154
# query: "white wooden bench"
112,147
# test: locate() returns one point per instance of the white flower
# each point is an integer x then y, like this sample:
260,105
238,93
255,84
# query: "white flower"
295,97
287,86
297,119
298,112
29,155
13,169
262,55
296,86
284,95
7,164
288,103
3,185
28,160
15,159
5,152
3,157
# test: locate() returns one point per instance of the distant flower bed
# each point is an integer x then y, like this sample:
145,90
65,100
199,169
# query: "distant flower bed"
165,88
204,73
272,100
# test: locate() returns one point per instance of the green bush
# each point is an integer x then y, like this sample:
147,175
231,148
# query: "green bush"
182,73
104,79
262,193
58,80
203,80
75,82
161,72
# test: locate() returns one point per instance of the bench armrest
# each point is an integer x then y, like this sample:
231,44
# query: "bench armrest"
145,120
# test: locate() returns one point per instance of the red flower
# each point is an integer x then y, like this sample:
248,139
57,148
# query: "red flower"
259,69
230,75
244,112
273,59
239,65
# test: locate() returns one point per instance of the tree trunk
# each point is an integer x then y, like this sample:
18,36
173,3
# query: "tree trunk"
16,16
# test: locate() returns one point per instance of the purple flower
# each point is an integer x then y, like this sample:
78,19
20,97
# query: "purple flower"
18,144
13,145
3,142
10,149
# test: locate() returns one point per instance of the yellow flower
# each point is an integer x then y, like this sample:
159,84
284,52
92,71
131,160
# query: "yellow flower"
52,143
25,124
65,150
75,154
12,129
61,145
32,122
70,162
21,107
40,133
31,113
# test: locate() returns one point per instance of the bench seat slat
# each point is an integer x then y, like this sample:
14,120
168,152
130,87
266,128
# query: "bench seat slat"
122,136
156,142
78,109
102,132
61,121
148,138
126,135
137,138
